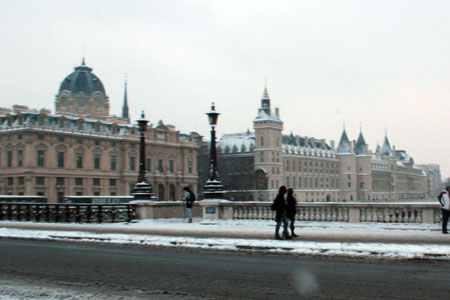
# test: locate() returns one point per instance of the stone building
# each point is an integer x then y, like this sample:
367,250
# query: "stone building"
434,179
252,165
83,150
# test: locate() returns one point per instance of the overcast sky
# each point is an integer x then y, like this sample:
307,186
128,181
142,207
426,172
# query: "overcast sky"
381,65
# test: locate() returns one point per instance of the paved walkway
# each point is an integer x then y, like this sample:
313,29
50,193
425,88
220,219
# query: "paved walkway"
307,231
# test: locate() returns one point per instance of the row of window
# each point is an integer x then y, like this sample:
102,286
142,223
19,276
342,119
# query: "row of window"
79,161
60,181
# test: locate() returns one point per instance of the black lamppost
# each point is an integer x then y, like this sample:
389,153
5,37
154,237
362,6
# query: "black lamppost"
142,189
213,188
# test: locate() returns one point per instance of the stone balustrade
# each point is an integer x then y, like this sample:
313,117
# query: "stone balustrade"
355,212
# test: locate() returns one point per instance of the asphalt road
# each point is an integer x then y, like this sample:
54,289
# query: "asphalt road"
119,272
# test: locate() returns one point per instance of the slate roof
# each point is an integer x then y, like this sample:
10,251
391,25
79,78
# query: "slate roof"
82,80
360,147
344,144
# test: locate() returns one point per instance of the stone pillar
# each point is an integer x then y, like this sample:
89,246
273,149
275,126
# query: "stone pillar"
354,214
428,215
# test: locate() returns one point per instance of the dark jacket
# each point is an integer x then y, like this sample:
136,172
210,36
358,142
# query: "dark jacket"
279,205
291,206
188,198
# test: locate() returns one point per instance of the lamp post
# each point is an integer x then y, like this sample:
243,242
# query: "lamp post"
213,188
142,189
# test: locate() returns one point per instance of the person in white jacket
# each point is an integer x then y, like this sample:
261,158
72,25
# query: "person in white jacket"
445,208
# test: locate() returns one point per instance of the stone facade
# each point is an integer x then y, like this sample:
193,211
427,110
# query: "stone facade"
82,150
252,165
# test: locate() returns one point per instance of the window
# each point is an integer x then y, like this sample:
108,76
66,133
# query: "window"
132,163
40,158
19,137
131,187
59,180
160,165
112,182
171,166
113,144
96,161
10,180
349,184
79,194
9,159
148,164
60,139
262,141
79,141
40,180
60,159
78,181
60,196
96,182
96,194
40,137
21,180
132,146
113,193
96,142
190,166
79,161
20,158
113,162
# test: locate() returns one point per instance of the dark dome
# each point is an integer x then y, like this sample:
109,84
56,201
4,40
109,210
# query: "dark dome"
82,80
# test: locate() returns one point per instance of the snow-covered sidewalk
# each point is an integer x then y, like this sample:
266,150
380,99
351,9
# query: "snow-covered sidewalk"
406,241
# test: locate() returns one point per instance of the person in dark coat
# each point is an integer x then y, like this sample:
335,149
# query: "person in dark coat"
291,209
279,205
189,199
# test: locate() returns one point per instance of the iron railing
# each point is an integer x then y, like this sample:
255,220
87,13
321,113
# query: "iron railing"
68,213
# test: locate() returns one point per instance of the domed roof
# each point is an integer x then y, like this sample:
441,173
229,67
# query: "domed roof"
82,80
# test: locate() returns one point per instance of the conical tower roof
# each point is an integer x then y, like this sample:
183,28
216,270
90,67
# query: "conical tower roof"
360,147
386,150
344,144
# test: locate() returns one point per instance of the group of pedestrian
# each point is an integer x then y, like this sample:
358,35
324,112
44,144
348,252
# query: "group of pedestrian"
445,207
286,209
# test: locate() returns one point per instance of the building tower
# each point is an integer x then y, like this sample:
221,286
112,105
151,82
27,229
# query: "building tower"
347,180
82,93
268,159
363,169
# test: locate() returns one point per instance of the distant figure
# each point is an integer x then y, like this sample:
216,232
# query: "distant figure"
279,205
445,207
189,198
291,209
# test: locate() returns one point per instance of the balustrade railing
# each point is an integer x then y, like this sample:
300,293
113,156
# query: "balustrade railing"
68,213
339,211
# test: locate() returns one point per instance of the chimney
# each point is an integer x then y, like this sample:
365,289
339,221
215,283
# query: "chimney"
277,112
352,146
332,144
366,147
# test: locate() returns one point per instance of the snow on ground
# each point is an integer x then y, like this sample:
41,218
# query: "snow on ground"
248,227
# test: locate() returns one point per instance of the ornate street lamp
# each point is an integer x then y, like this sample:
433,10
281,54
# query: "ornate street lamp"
213,188
142,189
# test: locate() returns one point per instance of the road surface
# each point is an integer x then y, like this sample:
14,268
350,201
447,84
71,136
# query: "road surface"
60,270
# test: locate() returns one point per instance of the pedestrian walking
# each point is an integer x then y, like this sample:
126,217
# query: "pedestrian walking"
189,198
445,207
279,205
291,209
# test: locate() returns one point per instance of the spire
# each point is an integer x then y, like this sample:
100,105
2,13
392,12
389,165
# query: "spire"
82,61
344,143
125,110
265,101
360,148
386,149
